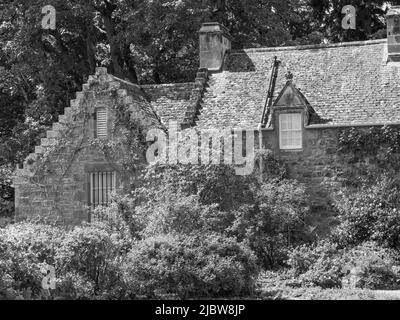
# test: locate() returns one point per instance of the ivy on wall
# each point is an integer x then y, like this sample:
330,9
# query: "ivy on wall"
370,141
124,150
370,151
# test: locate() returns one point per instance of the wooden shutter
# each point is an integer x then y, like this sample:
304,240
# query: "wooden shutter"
101,123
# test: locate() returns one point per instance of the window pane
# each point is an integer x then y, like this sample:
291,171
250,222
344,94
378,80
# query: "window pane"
290,131
296,121
290,122
95,189
283,122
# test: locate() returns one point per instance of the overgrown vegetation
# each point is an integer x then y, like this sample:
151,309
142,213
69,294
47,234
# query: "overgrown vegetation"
187,231
363,250
267,214
141,41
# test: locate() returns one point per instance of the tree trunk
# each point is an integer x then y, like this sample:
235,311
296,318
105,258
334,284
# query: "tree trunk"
156,75
90,50
115,51
131,72
219,11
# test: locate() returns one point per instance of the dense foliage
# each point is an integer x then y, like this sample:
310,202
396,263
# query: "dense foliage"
326,265
99,261
86,259
371,214
265,211
192,267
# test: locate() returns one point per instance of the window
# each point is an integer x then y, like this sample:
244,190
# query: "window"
101,123
290,131
102,185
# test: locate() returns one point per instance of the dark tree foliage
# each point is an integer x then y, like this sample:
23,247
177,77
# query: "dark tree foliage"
370,19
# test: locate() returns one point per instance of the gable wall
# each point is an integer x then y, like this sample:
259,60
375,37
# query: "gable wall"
54,181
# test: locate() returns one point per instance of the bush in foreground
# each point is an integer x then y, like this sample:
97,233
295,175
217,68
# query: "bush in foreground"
25,250
191,266
99,262
372,213
88,263
86,259
325,265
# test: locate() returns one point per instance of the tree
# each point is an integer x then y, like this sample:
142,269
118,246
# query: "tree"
370,19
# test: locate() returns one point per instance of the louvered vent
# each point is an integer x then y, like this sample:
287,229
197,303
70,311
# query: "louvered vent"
101,123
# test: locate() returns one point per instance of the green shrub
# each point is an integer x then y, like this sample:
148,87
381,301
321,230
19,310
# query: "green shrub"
274,222
87,261
375,266
325,265
92,255
25,249
191,267
264,213
317,265
370,214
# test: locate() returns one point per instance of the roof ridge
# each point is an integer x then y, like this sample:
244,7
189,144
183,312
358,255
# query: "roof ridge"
166,84
311,46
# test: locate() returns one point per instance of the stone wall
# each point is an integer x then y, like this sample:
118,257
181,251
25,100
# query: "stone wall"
53,183
321,166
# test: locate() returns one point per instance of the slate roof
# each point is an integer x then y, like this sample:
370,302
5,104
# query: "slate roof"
170,101
139,99
348,83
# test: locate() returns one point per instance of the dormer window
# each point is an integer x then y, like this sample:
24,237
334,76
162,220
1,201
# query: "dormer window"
290,131
101,123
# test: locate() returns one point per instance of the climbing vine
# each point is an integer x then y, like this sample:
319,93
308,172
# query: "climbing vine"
370,141
124,150
371,151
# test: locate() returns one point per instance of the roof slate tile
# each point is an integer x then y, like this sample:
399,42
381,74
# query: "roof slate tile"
348,83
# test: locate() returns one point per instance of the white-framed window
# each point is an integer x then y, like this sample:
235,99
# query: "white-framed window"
290,131
101,123
102,185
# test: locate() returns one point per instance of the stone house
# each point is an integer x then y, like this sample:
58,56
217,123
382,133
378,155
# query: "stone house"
298,98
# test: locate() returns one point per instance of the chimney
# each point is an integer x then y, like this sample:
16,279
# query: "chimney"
393,33
215,40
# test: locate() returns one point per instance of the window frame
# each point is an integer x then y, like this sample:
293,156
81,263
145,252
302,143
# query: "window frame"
298,130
